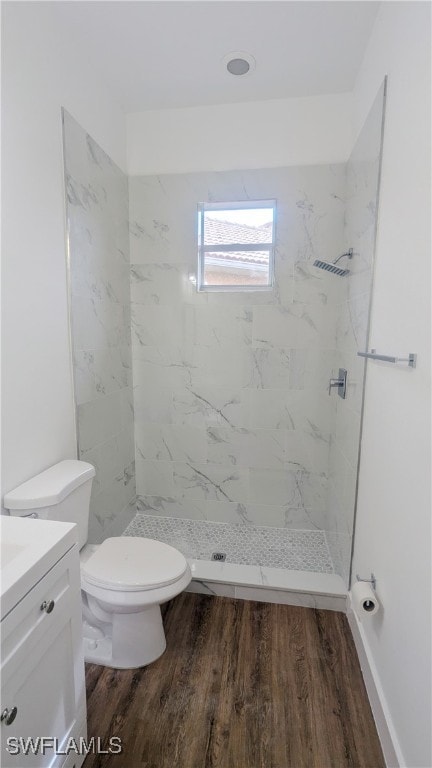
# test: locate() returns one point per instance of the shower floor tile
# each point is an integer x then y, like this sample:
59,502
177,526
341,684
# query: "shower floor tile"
244,545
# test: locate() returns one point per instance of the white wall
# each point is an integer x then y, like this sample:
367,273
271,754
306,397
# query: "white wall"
260,134
393,523
41,72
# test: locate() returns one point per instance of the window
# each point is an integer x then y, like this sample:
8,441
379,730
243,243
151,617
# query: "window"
236,245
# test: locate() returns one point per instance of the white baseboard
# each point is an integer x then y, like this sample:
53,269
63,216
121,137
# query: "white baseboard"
387,735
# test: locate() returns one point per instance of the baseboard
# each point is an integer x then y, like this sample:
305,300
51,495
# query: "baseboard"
386,732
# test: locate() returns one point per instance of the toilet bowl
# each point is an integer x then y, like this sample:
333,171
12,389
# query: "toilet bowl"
124,580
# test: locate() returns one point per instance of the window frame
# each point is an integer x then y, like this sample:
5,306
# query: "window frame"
237,205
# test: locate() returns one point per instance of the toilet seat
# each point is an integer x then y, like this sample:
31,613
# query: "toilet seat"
132,564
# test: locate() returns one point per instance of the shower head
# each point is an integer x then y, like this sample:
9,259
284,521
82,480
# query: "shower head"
331,267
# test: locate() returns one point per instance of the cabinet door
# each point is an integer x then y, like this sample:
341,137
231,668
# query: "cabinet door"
43,669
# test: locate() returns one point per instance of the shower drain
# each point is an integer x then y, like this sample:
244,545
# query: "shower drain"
219,556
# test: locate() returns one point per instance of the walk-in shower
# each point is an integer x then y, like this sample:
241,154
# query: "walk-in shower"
208,415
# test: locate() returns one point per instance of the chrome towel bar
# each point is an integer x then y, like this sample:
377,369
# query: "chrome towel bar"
372,355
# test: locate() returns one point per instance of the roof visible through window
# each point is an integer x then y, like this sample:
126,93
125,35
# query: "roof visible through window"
236,245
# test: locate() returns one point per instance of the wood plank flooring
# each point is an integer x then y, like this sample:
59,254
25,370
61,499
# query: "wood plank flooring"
241,685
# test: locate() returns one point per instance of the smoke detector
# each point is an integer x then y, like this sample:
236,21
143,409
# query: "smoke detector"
239,63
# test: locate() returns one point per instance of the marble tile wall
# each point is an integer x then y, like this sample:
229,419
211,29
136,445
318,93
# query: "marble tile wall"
232,416
352,333
97,213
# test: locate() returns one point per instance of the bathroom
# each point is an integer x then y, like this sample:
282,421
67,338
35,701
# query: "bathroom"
207,414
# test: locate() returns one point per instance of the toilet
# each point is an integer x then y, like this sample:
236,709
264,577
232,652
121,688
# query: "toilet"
124,580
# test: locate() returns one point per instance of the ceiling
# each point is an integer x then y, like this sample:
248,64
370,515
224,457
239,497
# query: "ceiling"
163,54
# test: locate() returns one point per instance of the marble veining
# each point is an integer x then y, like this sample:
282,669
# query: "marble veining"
232,418
97,213
228,423
352,329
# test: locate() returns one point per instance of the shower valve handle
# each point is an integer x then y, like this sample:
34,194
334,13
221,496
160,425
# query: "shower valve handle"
340,383
334,383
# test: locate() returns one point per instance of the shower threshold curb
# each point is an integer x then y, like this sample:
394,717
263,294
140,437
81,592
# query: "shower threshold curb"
273,585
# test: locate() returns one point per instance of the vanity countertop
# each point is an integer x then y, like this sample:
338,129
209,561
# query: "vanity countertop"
29,548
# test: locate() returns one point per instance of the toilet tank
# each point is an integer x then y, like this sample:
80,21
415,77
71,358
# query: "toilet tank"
61,492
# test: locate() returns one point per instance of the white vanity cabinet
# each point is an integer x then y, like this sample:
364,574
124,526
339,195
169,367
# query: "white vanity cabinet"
42,668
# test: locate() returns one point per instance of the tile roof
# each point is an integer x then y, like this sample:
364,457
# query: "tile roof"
251,257
223,232
217,232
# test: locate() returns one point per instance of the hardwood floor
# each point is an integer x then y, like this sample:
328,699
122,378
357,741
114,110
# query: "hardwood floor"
241,685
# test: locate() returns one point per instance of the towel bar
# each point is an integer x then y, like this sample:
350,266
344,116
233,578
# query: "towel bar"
372,355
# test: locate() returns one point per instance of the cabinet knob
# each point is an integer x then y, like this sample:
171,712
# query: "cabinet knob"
9,715
47,606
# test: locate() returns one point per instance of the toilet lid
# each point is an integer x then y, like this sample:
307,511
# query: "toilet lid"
131,563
